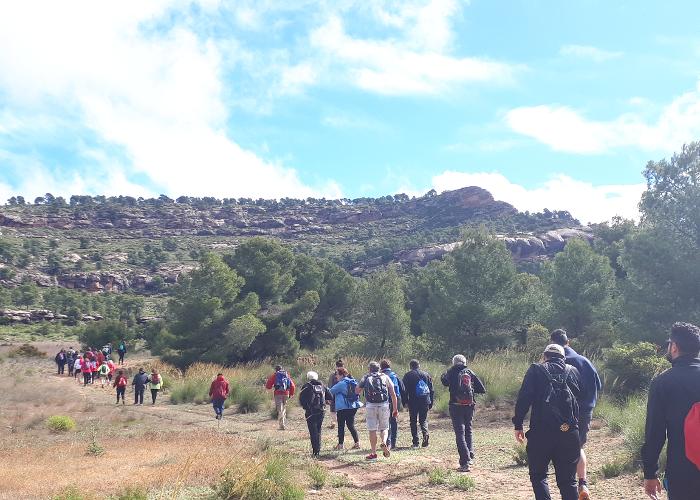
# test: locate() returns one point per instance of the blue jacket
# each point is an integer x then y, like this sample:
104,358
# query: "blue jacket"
339,391
589,379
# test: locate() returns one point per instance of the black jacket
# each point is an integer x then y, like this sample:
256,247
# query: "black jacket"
451,379
671,395
410,381
535,388
140,380
307,392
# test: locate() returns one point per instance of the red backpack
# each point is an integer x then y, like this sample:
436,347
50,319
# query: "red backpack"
691,430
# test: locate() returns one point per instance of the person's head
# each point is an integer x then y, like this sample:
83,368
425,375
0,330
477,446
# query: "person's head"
141,370
684,340
373,367
385,364
120,372
311,376
219,375
342,372
459,359
559,337
154,371
340,363
278,368
414,364
553,351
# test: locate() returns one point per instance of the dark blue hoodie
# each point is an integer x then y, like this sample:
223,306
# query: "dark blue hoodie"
589,379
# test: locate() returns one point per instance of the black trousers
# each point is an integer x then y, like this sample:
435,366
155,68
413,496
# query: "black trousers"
418,414
563,449
154,395
314,421
462,416
347,417
121,357
61,368
682,485
120,392
138,394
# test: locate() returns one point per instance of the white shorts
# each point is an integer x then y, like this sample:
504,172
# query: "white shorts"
377,418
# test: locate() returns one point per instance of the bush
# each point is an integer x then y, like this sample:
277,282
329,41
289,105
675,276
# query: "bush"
501,373
190,390
132,494
261,478
519,454
437,476
628,418
318,475
248,399
632,366
100,333
60,423
462,482
613,468
537,340
27,351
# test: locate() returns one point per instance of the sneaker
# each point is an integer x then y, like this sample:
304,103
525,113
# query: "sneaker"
426,440
371,456
339,447
385,450
464,468
415,446
356,446
583,493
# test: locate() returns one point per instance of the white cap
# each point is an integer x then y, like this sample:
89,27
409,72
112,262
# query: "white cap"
459,359
554,349
312,376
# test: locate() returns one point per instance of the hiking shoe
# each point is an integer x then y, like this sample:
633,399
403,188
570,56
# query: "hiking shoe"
583,493
464,468
425,442
385,450
415,446
356,446
339,447
371,456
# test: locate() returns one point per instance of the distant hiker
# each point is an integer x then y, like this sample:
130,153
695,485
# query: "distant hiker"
590,386
155,383
61,361
463,385
87,370
219,392
93,370
71,352
333,379
103,373
107,350
139,383
121,350
100,358
70,361
378,389
112,368
673,413
312,398
385,366
284,389
346,404
551,389
120,382
419,395
77,366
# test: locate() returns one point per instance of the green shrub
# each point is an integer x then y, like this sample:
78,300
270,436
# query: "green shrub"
630,367
27,351
60,423
613,468
537,340
501,373
132,494
519,454
437,476
463,482
340,481
248,400
70,493
190,390
318,475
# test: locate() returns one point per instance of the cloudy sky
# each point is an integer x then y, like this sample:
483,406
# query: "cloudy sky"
545,103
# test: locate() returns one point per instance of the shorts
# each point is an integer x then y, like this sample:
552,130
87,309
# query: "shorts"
584,425
377,418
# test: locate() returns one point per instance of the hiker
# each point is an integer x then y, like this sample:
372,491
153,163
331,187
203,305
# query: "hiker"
347,403
155,383
333,379
385,366
70,361
100,358
120,382
463,385
112,368
93,370
139,383
673,413
61,361
284,389
419,396
590,386
218,392
378,389
107,350
551,389
312,397
102,373
121,350
77,366
87,371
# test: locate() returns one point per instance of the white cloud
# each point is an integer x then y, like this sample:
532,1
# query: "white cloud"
157,95
588,52
565,129
585,201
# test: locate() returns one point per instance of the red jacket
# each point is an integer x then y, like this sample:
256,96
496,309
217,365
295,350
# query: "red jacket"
271,383
219,388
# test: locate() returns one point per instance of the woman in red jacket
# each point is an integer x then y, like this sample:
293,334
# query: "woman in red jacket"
218,392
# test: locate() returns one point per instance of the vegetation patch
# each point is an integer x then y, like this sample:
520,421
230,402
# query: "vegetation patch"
60,423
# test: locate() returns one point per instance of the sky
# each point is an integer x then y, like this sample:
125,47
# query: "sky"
544,103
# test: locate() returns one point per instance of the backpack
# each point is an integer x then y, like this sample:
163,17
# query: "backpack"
691,429
422,389
121,382
318,398
282,381
350,395
155,379
559,406
122,347
465,391
104,369
375,389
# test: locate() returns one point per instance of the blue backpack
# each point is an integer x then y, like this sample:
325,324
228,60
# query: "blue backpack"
282,381
350,395
422,389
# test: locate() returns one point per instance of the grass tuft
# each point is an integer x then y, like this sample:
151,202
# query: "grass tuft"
318,475
60,423
519,454
462,482
437,476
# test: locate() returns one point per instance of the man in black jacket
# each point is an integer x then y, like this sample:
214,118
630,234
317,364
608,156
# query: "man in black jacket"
553,434
139,383
313,397
671,395
462,407
418,404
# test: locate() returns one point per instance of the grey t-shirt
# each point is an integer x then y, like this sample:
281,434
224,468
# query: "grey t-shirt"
387,382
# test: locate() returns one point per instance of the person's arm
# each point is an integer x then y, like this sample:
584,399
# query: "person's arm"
654,431
270,382
292,387
392,395
361,385
445,380
336,388
574,383
526,396
402,391
479,387
405,394
303,397
329,397
430,388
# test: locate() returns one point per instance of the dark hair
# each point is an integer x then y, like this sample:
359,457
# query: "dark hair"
339,363
558,336
687,337
342,371
277,368
219,374
384,364
413,364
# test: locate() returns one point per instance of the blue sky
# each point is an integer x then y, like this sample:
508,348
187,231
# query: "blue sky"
545,103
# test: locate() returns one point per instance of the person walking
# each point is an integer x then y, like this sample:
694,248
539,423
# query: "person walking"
70,361
103,373
378,390
551,389
139,384
93,370
77,366
333,379
347,402
120,383
284,389
121,351
218,393
590,387
673,414
312,398
385,367
87,371
61,361
419,396
463,385
155,384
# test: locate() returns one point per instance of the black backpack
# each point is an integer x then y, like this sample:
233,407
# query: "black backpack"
318,398
376,390
559,406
